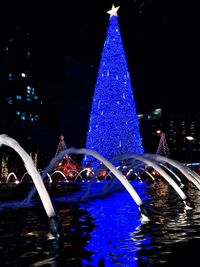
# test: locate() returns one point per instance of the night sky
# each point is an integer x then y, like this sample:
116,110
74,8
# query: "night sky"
161,40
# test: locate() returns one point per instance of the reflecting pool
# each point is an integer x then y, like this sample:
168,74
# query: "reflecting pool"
105,230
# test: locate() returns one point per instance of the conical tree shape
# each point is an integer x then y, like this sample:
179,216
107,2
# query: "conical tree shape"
163,148
113,125
4,166
61,145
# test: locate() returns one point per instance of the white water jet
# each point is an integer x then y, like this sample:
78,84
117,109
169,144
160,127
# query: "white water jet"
148,173
108,175
173,173
47,170
157,168
29,165
61,173
24,175
137,166
192,173
50,179
10,175
109,165
185,171
87,170
115,171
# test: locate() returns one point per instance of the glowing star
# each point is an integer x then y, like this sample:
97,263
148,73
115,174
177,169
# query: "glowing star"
113,11
113,96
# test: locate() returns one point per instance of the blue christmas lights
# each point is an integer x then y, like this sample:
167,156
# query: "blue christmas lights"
113,125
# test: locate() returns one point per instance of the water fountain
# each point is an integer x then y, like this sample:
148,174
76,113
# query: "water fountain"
28,163
144,211
153,163
12,174
129,171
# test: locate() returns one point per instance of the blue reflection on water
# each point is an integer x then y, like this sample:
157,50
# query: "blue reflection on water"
116,219
107,231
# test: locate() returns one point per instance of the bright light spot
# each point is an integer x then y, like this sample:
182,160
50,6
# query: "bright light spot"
189,138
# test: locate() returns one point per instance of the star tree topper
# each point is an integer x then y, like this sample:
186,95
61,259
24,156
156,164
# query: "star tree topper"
113,11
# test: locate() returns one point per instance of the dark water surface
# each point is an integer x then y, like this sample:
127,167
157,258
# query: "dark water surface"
104,231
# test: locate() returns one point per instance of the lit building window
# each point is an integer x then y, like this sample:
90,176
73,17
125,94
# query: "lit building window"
10,76
28,99
149,117
9,100
18,97
22,115
30,90
157,112
35,97
140,116
25,74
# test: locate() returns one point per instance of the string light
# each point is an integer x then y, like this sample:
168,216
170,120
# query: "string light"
113,121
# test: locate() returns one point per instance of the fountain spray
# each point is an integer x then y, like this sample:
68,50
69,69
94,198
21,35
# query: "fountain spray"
54,225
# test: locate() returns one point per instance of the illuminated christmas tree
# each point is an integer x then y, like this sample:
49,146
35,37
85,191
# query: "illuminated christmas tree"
113,125
4,165
163,148
61,145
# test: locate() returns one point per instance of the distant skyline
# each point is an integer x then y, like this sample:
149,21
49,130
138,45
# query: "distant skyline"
161,41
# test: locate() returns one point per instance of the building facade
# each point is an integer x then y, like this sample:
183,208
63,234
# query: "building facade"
21,103
177,125
20,97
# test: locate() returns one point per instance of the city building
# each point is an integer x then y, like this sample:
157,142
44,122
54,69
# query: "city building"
177,125
21,102
20,96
